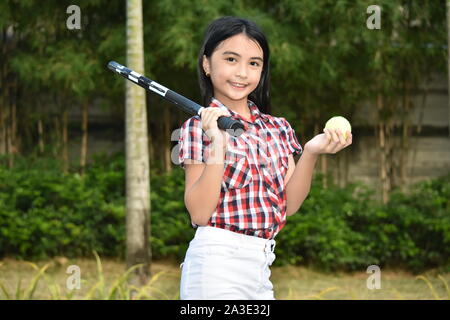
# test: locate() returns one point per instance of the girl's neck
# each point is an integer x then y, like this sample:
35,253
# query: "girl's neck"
239,106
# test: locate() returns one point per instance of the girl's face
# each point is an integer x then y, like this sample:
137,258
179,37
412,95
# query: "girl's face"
235,68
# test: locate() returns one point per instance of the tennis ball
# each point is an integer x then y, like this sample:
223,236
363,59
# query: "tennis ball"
339,122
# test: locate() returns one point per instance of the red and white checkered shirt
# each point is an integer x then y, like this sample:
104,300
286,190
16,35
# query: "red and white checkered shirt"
252,196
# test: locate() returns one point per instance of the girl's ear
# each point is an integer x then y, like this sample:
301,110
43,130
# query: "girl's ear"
206,66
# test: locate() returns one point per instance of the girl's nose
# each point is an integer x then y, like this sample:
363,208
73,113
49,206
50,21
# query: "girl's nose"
241,72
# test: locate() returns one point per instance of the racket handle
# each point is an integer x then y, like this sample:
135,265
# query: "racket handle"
226,123
223,123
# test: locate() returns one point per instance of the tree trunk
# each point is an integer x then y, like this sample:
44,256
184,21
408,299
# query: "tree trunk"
324,169
404,152
448,61
9,143
167,141
84,138
384,179
7,126
4,115
419,126
323,160
2,127
405,137
3,94
65,141
137,160
41,136
341,165
346,167
339,175
13,136
57,137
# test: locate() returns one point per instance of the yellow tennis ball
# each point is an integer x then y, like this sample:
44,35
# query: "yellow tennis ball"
339,122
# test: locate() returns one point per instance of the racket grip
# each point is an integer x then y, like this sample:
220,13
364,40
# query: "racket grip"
227,123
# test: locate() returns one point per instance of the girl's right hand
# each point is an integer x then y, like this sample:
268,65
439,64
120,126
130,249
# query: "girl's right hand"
209,118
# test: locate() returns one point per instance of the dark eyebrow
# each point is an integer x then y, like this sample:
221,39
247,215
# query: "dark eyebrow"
237,54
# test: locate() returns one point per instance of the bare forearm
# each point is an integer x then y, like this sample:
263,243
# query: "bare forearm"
202,198
299,185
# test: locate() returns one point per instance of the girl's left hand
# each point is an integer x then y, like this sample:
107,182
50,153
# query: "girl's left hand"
331,141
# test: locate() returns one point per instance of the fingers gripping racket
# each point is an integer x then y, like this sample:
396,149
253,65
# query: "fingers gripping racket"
182,102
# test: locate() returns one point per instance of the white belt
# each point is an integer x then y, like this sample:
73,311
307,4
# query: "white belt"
210,233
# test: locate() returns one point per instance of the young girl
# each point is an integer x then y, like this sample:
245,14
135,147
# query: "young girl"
240,189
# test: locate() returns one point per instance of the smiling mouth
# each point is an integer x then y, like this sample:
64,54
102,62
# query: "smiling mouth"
238,85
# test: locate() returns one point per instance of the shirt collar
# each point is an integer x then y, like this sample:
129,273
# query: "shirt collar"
254,110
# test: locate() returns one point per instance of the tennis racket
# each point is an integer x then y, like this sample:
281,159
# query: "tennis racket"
189,106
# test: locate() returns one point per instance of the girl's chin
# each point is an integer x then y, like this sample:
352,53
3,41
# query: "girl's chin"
233,95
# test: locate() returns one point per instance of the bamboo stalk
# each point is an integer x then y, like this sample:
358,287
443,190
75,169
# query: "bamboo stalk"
448,61
40,136
57,142
13,149
65,142
383,153
84,138
167,140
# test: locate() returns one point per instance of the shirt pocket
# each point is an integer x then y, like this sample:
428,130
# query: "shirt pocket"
238,173
278,158
278,166
281,167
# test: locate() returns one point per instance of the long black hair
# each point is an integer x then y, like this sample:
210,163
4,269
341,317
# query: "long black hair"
220,30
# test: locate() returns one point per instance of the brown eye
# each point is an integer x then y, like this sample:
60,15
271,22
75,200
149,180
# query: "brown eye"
231,59
254,63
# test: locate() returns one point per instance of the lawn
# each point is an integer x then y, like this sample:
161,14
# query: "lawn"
20,279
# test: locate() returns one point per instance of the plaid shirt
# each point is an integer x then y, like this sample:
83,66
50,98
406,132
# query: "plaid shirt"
252,197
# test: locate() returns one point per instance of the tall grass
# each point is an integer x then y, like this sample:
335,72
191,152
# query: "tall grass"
351,295
27,294
433,291
119,290
43,286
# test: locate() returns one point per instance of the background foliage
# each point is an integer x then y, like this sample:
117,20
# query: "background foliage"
44,213
324,61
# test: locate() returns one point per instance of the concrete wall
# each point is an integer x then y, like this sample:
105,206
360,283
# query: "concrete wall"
429,155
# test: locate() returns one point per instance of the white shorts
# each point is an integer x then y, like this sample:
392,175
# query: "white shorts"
225,265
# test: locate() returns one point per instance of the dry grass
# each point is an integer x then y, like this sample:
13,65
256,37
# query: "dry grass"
301,283
106,279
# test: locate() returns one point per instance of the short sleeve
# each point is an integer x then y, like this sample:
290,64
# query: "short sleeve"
191,142
291,140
